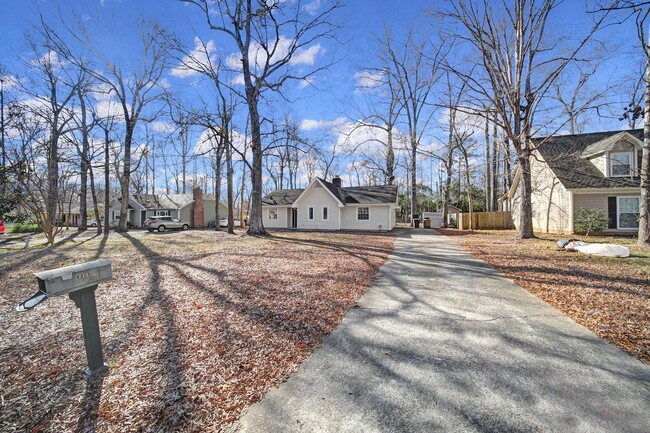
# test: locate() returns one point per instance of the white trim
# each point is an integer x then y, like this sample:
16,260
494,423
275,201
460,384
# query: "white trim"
275,214
322,213
611,141
310,213
313,182
610,191
618,213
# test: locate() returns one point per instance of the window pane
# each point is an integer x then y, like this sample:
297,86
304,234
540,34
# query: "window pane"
324,213
311,213
628,208
621,164
363,213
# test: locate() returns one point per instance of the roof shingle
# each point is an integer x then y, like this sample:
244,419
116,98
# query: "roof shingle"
563,154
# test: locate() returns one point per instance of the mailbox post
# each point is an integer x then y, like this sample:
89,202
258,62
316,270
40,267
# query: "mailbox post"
79,282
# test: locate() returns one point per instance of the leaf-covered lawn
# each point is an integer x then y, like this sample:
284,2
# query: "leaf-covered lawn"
195,326
610,296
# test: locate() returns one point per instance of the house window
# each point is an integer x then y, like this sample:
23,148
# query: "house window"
628,212
363,213
311,213
273,214
325,213
161,213
620,164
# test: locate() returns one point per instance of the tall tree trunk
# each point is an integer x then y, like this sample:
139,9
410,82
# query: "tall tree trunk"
488,176
126,179
644,204
495,167
231,200
390,156
83,191
414,181
93,193
525,185
107,185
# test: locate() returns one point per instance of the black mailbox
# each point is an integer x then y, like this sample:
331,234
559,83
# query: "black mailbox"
79,282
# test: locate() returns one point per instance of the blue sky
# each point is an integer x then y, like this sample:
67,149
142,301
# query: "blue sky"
336,92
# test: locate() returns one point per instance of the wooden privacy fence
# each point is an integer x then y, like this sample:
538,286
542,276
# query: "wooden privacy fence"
486,221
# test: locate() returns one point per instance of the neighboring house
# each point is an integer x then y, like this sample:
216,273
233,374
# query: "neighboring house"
197,209
593,171
327,205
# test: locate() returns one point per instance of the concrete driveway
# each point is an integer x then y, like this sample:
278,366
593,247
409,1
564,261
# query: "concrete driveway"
443,342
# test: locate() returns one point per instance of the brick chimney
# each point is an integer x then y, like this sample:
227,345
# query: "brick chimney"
197,208
336,180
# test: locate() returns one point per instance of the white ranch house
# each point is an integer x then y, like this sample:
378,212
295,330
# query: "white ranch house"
593,171
327,205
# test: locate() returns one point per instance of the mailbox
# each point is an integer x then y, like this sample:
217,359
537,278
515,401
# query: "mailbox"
79,282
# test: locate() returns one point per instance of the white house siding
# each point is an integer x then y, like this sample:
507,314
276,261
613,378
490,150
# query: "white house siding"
600,162
283,217
317,197
550,200
380,215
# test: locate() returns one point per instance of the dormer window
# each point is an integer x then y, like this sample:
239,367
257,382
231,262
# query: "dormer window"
620,164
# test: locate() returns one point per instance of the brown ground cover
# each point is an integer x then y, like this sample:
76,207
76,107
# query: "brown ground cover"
610,296
195,326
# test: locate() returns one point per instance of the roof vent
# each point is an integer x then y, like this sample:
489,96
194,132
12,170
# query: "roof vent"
336,180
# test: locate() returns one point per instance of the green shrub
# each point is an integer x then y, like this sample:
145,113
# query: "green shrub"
590,220
23,227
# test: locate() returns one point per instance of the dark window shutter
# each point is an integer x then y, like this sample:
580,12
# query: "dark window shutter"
611,212
639,155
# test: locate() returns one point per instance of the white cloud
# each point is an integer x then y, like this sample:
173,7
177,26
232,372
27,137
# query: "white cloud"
312,8
367,139
50,58
306,56
160,126
369,80
258,56
311,124
207,141
201,57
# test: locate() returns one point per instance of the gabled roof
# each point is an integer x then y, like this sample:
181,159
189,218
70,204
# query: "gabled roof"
378,194
564,156
607,143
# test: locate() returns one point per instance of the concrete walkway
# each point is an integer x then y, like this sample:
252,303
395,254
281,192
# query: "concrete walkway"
444,343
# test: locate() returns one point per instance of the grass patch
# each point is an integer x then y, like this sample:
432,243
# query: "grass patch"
24,227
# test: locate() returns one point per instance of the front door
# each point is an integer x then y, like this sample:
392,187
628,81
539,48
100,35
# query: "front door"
294,218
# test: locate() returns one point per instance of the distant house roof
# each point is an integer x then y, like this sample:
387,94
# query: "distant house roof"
379,194
567,157
282,197
165,201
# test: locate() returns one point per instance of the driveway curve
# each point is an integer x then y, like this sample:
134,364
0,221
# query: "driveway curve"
444,342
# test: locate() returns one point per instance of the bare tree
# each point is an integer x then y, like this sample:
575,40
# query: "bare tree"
136,89
519,64
269,35
414,66
52,89
639,10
